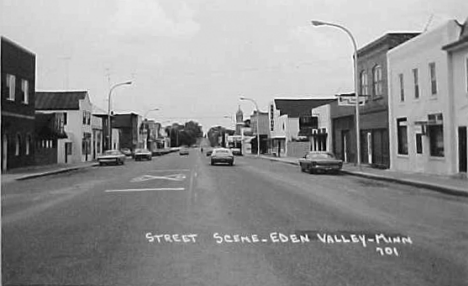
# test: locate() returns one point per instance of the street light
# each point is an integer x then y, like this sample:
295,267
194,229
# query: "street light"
146,113
258,119
109,128
358,139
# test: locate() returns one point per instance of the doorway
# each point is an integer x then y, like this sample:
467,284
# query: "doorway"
462,152
4,152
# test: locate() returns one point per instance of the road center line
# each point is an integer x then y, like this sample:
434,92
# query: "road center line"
170,170
145,190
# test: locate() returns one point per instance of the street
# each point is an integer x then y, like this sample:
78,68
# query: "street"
177,220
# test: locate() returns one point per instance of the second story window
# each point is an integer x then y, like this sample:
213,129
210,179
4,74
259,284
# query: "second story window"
25,91
363,82
416,83
402,87
377,81
64,118
432,72
84,117
11,85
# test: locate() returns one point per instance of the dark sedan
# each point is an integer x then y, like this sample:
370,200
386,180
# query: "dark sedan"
316,161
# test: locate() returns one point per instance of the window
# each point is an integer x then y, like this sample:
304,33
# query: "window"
89,118
84,117
17,145
402,134
25,90
364,85
416,83
64,118
28,144
436,134
419,143
11,85
432,71
402,87
377,81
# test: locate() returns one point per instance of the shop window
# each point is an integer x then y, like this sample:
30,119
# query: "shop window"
17,145
436,140
419,147
28,144
402,134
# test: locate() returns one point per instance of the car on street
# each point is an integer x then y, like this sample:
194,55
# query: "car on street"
222,155
236,151
112,157
320,161
208,152
142,154
184,151
126,152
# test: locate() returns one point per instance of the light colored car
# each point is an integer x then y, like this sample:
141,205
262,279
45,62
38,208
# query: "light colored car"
126,152
141,154
184,151
320,161
112,157
222,155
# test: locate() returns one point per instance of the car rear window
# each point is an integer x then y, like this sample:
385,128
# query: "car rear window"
222,151
322,155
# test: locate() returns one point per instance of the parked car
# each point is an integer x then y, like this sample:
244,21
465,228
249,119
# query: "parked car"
236,151
126,152
141,154
112,157
222,155
320,161
184,151
208,152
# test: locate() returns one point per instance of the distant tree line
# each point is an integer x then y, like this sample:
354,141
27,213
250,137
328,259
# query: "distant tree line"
184,135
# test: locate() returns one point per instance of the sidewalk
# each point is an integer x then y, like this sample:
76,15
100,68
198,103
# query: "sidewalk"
40,171
443,184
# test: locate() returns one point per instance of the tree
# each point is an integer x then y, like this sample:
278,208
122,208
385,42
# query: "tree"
187,134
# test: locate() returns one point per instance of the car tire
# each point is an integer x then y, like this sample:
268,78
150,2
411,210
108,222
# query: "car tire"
101,164
212,163
311,170
302,168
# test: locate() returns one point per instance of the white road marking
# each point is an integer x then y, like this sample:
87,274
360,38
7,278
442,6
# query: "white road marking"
175,177
145,190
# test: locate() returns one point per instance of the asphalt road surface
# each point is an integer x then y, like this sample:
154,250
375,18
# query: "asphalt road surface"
177,220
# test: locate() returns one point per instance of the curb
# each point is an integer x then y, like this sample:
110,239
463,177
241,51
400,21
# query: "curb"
53,172
437,188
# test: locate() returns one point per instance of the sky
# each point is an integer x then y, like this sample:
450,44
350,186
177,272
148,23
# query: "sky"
193,59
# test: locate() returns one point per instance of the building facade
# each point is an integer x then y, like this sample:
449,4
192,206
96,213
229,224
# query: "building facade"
373,115
457,53
129,125
18,72
320,139
422,118
77,109
263,131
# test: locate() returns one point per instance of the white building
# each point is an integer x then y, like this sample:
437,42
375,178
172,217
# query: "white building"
457,53
421,104
321,136
77,109
291,124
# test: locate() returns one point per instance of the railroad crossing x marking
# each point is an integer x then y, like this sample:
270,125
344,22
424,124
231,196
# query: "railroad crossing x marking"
175,177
